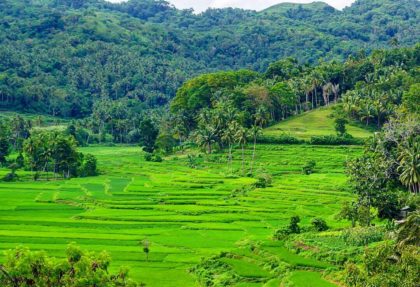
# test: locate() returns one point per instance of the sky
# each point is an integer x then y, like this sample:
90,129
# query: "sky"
201,5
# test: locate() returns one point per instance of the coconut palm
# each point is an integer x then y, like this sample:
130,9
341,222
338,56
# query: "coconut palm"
335,89
228,136
205,137
367,112
241,137
409,168
409,231
255,131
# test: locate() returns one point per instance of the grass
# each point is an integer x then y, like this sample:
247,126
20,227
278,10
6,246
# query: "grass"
308,279
313,123
185,213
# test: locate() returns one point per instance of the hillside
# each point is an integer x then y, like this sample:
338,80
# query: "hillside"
312,123
59,57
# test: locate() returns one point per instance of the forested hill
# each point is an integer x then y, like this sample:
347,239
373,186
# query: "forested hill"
60,56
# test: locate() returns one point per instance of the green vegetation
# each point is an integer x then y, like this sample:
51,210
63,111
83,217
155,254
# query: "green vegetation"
299,172
141,51
313,123
80,268
184,213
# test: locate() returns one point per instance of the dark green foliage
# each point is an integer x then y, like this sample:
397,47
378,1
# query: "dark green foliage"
319,224
20,161
166,143
52,151
89,166
340,126
264,180
282,139
82,52
292,228
148,135
80,268
11,176
346,139
309,167
153,157
4,150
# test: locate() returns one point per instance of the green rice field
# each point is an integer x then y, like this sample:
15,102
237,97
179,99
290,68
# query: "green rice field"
186,214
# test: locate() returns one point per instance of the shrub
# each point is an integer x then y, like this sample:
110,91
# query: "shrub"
264,180
292,228
152,157
11,176
281,139
308,168
345,139
319,224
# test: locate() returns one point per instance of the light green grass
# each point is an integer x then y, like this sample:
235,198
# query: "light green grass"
312,123
308,279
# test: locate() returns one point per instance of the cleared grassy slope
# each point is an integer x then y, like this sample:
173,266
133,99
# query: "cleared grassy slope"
313,123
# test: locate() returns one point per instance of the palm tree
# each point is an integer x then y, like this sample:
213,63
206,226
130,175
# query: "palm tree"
241,137
409,232
367,112
205,137
409,167
326,92
228,136
255,132
335,89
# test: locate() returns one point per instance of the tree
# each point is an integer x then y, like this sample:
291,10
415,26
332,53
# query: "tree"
80,268
148,135
242,138
319,224
4,150
166,143
228,136
340,126
409,231
89,165
205,138
255,132
409,168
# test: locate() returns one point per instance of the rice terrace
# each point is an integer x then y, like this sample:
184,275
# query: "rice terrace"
145,144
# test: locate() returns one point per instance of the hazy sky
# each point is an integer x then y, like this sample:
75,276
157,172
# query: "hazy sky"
201,5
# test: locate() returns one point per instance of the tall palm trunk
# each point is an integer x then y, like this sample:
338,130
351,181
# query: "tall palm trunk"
253,153
243,159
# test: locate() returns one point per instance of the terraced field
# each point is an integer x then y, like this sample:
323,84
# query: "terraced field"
186,214
313,123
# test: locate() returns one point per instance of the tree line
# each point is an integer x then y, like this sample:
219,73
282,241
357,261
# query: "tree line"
42,151
85,51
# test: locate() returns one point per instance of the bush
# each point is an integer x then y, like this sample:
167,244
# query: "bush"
346,139
319,224
11,176
264,180
152,157
308,168
292,228
282,139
